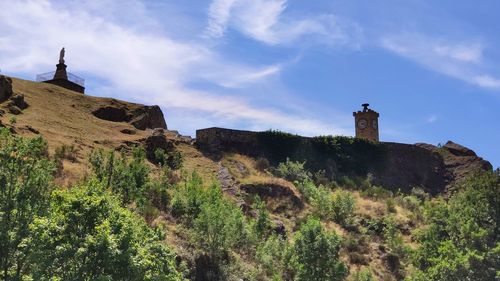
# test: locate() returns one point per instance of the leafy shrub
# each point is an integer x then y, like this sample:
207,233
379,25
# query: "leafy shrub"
461,240
394,239
25,186
307,188
390,203
322,203
292,171
89,236
364,274
262,224
172,159
219,225
188,198
343,206
377,192
315,254
128,177
271,255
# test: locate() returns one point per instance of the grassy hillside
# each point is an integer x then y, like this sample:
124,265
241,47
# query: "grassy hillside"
234,218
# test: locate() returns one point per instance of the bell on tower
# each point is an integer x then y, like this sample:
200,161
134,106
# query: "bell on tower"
366,123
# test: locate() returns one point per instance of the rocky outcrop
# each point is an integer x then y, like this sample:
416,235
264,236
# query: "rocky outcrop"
113,114
459,162
142,118
275,190
5,88
157,140
148,117
18,100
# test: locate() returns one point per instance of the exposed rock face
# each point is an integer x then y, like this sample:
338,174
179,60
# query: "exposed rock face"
148,117
5,88
459,150
113,114
459,161
18,100
142,118
274,190
156,140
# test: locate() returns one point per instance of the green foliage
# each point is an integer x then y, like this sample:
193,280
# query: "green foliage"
25,185
315,254
338,206
344,205
376,192
461,240
292,171
390,203
394,239
172,159
219,224
323,203
277,145
188,198
271,255
364,274
128,177
352,156
89,236
262,224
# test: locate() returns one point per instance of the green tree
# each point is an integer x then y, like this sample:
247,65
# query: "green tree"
315,254
343,206
461,239
89,236
219,225
25,177
126,176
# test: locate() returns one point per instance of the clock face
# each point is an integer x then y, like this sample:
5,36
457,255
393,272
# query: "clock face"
374,124
362,123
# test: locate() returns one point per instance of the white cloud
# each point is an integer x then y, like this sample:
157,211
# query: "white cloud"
263,20
218,17
460,60
139,63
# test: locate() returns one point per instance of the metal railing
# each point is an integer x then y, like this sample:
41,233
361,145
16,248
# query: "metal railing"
50,75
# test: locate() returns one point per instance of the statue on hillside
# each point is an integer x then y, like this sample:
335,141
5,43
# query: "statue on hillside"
61,55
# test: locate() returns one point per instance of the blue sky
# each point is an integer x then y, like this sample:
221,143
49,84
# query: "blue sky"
430,68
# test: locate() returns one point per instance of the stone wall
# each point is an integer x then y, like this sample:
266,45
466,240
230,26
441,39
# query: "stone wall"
392,165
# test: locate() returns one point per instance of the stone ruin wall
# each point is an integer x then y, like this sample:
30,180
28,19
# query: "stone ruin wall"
404,166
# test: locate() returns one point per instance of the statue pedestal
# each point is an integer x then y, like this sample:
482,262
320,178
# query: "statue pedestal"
61,72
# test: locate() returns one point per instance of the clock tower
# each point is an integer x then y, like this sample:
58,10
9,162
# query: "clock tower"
366,123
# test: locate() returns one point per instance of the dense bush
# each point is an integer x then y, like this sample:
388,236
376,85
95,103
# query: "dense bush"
315,254
461,240
25,176
126,176
87,235
363,274
219,225
292,171
344,205
172,159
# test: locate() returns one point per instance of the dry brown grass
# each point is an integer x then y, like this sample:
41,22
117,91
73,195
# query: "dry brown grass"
64,117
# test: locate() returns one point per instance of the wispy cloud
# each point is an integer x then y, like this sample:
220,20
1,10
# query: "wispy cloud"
264,21
143,64
460,60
